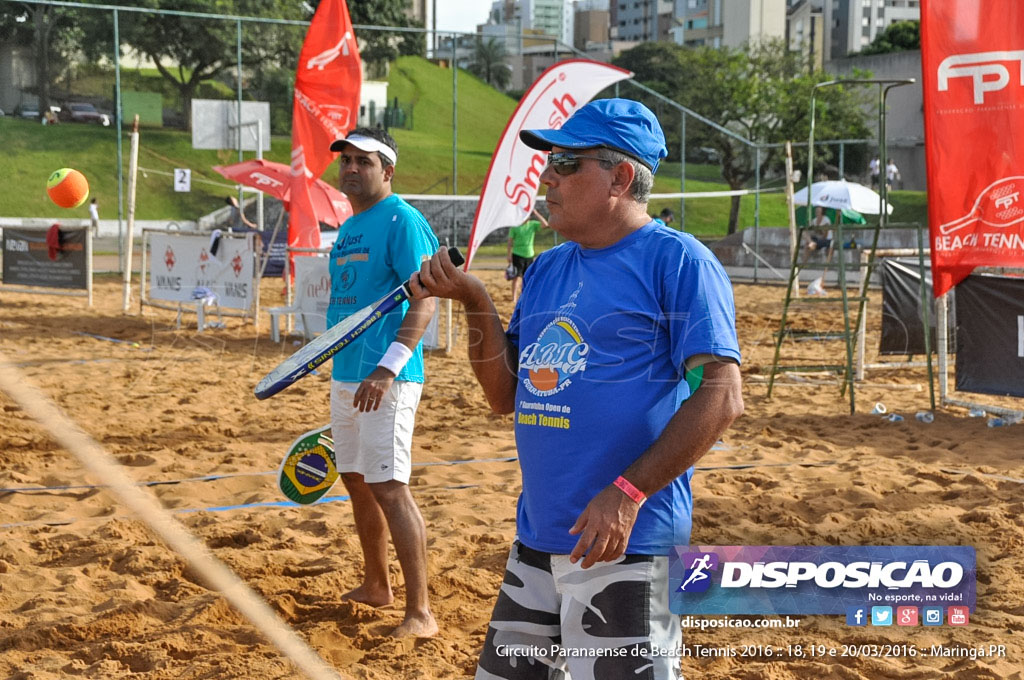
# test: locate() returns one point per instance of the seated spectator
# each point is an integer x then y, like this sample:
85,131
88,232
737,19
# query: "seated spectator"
820,238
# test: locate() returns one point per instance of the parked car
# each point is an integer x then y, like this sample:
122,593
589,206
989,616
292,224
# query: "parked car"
29,111
81,112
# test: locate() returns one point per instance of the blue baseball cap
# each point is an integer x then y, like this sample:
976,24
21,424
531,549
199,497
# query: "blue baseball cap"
619,124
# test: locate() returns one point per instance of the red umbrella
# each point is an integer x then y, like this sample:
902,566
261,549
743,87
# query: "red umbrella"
331,205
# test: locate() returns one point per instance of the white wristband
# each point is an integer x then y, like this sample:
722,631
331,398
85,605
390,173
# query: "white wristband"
395,358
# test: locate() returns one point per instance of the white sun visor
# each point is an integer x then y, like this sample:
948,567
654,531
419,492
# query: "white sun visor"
368,144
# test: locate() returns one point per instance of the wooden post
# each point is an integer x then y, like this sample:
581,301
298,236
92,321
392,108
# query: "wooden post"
133,172
794,244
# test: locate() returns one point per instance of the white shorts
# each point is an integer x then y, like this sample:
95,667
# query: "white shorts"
376,444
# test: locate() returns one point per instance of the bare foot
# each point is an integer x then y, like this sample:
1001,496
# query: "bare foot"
375,597
416,626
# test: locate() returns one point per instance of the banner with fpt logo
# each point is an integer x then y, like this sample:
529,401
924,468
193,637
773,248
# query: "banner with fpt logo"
185,268
972,61
774,579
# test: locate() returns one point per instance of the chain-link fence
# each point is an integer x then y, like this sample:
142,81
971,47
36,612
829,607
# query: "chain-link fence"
447,121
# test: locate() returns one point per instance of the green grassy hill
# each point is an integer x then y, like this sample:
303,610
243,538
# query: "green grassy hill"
426,150
33,151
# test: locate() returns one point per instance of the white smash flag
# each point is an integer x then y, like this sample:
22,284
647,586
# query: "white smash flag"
510,189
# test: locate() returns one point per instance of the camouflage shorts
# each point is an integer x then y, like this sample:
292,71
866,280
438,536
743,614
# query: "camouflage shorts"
557,621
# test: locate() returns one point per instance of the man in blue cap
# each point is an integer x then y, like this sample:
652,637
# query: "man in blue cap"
594,366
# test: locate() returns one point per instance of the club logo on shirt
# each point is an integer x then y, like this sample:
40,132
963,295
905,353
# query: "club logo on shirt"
558,354
347,277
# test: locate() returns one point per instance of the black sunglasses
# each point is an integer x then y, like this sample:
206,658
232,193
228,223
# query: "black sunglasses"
566,163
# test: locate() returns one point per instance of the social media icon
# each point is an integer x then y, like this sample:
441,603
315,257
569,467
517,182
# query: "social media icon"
906,616
958,616
856,616
932,616
881,616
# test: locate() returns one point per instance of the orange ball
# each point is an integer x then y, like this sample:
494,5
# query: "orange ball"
67,188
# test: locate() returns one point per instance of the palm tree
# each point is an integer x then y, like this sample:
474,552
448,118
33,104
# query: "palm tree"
489,63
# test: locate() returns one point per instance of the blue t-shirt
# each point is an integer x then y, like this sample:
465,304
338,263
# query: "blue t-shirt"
602,337
375,252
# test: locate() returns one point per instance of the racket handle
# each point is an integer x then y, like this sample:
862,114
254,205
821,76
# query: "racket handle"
456,256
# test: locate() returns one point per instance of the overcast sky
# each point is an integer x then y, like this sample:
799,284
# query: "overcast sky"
461,15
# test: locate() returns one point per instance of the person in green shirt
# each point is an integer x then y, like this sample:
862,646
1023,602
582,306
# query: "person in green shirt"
520,251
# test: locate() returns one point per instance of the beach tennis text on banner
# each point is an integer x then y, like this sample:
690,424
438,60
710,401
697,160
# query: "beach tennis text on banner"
817,579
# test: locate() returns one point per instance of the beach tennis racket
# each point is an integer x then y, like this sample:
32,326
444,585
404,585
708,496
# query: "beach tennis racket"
336,338
309,469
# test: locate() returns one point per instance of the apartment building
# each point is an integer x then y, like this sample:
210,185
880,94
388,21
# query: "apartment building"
641,20
727,23
851,25
805,31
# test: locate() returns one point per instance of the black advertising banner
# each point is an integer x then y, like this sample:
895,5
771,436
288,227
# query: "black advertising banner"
902,325
990,335
27,261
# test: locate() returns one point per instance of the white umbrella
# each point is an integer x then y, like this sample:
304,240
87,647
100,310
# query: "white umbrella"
842,195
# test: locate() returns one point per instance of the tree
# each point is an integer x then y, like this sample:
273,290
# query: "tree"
15,27
378,48
897,37
489,63
188,51
48,29
760,92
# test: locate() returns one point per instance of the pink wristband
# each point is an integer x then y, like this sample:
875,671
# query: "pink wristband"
627,488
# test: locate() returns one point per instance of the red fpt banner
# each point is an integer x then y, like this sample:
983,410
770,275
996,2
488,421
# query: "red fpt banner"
972,62
326,106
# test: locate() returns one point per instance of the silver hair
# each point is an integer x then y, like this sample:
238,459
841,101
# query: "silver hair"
643,178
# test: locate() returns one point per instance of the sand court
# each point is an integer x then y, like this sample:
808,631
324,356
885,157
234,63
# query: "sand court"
86,590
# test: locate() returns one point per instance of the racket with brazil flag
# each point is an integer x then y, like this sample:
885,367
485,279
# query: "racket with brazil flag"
309,469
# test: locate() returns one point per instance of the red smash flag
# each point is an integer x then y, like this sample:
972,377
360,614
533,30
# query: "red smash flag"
972,62
325,108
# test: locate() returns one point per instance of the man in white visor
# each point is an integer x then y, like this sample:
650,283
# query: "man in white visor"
377,381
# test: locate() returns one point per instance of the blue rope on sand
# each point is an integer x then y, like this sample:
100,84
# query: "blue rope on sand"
210,478
77,487
264,504
336,499
179,511
133,343
276,504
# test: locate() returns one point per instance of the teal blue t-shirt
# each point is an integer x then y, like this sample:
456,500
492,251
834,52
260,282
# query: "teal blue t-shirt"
375,252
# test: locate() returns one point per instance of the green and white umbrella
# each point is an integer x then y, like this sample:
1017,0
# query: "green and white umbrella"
842,195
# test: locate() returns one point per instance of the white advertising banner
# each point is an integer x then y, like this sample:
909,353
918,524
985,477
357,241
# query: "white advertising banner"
312,294
513,179
181,264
